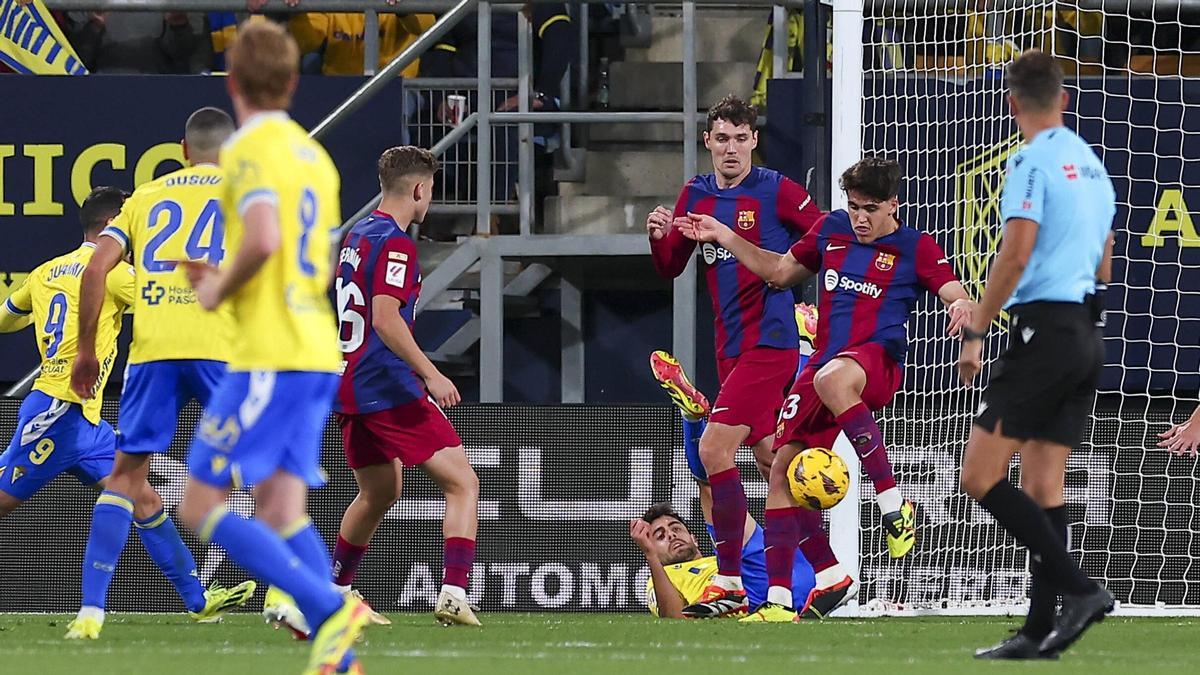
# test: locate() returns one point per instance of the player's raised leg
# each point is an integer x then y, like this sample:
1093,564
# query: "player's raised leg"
452,472
840,384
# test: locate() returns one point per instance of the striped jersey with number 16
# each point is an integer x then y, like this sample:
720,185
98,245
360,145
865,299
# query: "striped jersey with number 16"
377,258
174,217
51,294
283,318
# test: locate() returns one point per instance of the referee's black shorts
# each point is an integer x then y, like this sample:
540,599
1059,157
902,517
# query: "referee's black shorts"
1044,385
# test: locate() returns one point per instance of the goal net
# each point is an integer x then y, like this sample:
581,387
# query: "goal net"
933,96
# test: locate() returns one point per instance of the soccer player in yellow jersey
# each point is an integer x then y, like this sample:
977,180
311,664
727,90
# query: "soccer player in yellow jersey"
57,430
178,353
263,426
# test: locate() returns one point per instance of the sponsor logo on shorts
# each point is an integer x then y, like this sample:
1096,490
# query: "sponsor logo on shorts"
712,253
834,281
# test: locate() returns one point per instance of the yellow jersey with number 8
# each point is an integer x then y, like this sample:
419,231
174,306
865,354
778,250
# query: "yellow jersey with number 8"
283,317
51,295
175,217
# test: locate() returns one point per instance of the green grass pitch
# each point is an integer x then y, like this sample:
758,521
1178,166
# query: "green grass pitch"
567,644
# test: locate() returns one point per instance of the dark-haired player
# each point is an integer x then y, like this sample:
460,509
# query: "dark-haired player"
58,430
755,324
872,269
679,573
1058,205
388,400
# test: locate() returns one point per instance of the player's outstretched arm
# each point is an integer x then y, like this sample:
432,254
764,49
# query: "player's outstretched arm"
389,324
86,368
780,271
667,598
958,305
16,312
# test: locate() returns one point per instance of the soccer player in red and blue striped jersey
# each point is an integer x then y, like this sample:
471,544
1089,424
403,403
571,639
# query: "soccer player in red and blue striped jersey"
755,324
872,269
388,400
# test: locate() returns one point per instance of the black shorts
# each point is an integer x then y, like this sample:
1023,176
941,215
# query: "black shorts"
1043,387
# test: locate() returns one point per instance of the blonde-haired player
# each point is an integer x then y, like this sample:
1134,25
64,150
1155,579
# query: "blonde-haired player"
264,424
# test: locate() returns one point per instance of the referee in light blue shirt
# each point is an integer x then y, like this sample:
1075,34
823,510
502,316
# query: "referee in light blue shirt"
1055,260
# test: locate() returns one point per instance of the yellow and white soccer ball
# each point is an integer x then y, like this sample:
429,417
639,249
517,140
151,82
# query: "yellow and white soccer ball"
818,479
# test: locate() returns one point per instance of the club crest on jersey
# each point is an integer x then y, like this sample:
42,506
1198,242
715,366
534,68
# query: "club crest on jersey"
885,261
745,219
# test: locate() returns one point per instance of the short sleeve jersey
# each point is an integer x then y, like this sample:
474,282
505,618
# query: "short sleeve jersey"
868,291
770,211
1058,182
51,295
377,258
174,217
283,318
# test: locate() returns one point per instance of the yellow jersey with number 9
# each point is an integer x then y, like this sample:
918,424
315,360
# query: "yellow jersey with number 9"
175,217
51,295
689,578
283,317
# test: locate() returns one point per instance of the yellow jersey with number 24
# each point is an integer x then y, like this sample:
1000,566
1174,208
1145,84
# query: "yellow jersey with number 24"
174,217
283,317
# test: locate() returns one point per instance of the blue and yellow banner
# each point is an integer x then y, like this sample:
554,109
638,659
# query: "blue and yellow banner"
31,42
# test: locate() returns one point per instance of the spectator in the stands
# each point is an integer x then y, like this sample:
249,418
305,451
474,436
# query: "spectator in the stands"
340,39
555,46
139,42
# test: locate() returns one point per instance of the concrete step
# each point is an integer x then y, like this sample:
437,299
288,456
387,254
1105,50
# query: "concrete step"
659,86
600,215
727,36
645,173
624,132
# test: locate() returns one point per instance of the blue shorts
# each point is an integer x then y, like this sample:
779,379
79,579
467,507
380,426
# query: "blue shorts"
153,395
53,436
754,572
260,422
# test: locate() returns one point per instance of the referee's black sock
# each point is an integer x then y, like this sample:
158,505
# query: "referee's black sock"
1024,520
1043,596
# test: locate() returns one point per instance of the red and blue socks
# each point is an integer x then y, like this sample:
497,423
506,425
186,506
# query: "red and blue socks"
864,434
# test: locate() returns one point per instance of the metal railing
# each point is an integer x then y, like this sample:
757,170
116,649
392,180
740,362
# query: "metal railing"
481,123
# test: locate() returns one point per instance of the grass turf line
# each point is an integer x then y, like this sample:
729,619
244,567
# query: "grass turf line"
585,643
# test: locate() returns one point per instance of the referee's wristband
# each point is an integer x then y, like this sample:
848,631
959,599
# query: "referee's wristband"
969,335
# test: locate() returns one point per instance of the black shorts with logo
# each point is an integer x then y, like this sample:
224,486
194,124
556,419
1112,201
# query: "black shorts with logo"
1043,387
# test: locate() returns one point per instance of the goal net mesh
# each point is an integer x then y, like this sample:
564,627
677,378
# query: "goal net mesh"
934,98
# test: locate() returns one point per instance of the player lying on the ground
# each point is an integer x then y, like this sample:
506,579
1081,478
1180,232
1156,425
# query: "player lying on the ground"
679,572
872,269
264,423
755,329
178,353
60,431
660,543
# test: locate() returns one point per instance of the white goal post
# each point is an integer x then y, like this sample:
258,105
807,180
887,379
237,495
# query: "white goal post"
927,77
